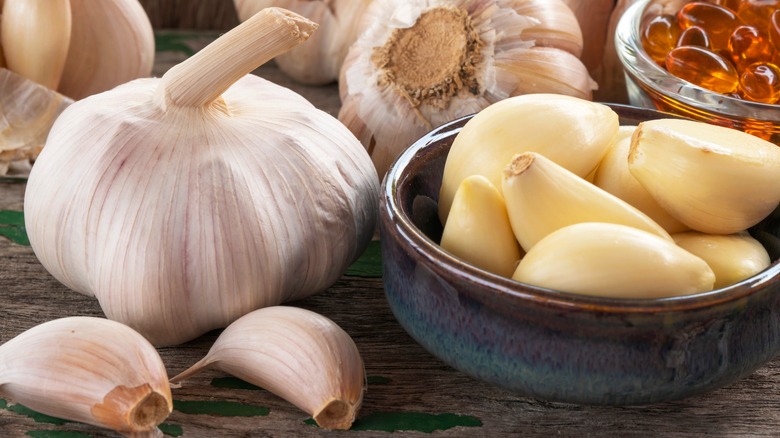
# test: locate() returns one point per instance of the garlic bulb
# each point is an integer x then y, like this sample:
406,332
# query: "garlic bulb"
301,356
613,260
419,64
478,229
319,60
90,370
713,179
185,202
28,111
77,47
542,196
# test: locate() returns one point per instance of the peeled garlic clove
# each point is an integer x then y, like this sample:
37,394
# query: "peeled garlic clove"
185,202
419,65
90,370
542,197
478,229
319,60
575,133
302,357
558,26
711,178
35,38
732,257
612,260
613,176
28,111
112,43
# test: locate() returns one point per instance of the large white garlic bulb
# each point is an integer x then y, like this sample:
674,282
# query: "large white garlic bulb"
419,64
185,202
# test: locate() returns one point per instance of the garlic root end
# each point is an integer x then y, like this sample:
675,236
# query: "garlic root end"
337,414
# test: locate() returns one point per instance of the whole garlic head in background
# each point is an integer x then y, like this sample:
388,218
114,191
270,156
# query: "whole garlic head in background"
419,64
319,60
185,202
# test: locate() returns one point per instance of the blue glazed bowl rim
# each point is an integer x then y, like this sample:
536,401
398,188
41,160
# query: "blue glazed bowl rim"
502,288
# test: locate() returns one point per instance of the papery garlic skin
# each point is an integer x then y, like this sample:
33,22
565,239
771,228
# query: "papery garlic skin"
419,64
318,61
574,133
90,370
301,356
112,42
711,178
732,257
181,209
613,260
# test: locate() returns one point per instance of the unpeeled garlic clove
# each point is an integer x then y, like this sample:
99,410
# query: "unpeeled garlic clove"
112,42
478,229
90,370
560,27
733,257
542,197
28,111
35,38
613,176
2,56
299,355
711,178
575,133
612,260
547,70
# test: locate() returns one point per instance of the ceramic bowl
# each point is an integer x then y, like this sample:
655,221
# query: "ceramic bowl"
650,86
560,346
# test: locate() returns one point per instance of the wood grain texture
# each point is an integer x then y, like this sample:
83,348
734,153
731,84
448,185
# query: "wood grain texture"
404,379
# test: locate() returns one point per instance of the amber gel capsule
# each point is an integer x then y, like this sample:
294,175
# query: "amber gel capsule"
761,83
704,68
748,45
717,21
659,35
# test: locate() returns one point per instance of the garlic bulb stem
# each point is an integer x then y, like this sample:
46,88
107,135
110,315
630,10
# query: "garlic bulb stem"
201,79
87,369
36,37
297,354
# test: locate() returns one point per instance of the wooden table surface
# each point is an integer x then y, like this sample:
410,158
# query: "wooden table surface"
410,392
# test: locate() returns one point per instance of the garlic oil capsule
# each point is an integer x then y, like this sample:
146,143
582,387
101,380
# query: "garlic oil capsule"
612,260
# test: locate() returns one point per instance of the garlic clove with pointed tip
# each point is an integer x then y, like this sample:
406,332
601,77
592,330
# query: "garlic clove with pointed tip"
35,36
91,370
478,229
302,357
613,260
560,27
711,178
112,42
614,176
575,133
542,196
732,257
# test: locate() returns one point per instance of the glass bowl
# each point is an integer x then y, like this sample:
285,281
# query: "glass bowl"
650,86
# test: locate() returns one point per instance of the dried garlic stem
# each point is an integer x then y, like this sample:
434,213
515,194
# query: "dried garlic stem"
36,37
201,79
301,356
90,370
